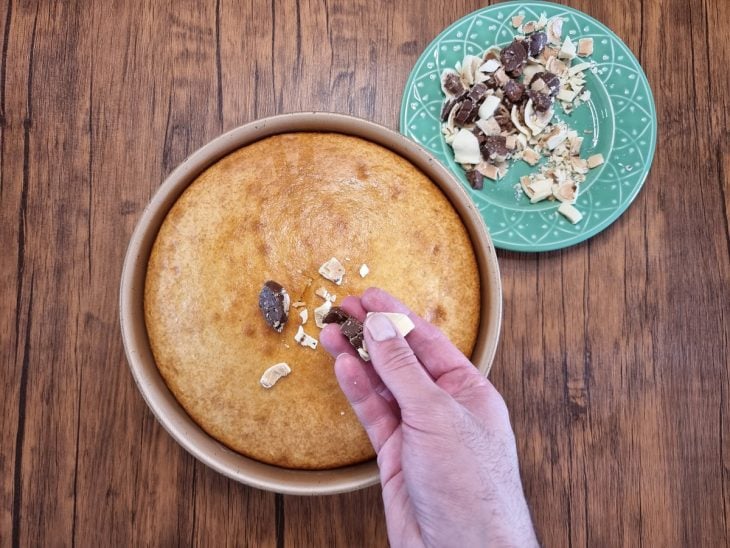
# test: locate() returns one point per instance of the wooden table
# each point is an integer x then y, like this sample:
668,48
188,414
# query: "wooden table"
614,353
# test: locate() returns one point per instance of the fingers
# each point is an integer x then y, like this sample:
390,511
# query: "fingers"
396,364
434,350
377,415
331,337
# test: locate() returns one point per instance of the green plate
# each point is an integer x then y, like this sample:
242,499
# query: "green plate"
620,115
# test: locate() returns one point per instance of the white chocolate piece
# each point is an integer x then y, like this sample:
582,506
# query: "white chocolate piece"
273,374
466,148
570,213
595,160
489,107
305,340
320,312
304,315
333,271
401,322
364,270
585,47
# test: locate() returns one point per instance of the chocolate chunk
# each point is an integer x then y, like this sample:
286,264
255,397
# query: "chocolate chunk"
468,112
452,84
478,92
336,315
513,57
516,73
446,109
536,43
352,329
495,148
274,304
476,179
505,121
452,103
551,81
540,101
514,91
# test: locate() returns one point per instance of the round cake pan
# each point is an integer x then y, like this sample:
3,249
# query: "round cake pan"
137,347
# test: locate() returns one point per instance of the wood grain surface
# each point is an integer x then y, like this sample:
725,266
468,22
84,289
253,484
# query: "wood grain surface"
614,354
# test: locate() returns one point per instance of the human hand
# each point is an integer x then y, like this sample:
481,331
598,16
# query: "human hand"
446,450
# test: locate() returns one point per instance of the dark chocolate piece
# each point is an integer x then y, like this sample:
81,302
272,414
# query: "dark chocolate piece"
468,112
452,84
536,42
540,101
476,179
478,92
336,315
514,91
551,81
274,305
495,148
513,57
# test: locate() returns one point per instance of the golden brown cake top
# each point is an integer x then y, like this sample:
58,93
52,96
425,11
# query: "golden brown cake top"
277,210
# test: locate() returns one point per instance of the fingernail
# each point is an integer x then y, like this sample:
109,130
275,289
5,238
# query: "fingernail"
380,327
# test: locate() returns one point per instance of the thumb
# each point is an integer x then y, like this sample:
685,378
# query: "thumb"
396,364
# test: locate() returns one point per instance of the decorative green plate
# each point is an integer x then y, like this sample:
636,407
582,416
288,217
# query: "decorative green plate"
620,114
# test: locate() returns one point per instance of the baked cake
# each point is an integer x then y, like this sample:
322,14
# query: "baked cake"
277,210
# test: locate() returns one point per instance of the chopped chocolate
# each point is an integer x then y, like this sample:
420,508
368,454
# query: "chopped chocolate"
478,92
336,315
513,57
452,84
476,179
452,103
274,304
536,43
541,101
495,148
514,91
504,119
468,112
551,81
446,109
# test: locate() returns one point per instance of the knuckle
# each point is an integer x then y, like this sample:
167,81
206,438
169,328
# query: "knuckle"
398,356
